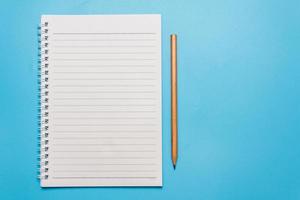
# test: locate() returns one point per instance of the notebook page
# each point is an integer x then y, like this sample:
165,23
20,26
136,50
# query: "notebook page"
104,100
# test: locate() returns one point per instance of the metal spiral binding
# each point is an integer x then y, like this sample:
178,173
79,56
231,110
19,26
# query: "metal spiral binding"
44,101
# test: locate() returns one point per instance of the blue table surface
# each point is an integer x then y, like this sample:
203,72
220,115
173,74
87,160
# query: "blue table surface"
239,99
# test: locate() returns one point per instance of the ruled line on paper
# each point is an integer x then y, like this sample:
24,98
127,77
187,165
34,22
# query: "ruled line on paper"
101,72
105,131
103,98
76,124
102,151
104,46
104,33
116,118
101,85
100,177
108,79
107,98
102,59
102,92
105,111
101,157
105,39
106,53
112,79
104,72
98,104
102,137
99,135
104,170
105,164
101,65
104,144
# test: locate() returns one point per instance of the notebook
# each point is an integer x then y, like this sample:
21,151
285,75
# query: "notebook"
100,100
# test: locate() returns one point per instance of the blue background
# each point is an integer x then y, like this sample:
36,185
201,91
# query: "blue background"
239,99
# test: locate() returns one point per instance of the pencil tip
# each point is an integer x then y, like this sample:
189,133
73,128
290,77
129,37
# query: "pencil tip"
174,167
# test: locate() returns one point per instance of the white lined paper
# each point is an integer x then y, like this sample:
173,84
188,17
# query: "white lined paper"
104,100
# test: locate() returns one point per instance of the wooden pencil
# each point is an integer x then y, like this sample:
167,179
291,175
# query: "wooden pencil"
174,126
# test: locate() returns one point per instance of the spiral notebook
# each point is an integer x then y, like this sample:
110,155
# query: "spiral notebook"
100,100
